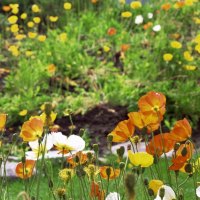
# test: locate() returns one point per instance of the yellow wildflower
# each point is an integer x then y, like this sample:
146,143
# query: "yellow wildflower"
106,48
197,48
176,44
167,57
28,53
190,67
30,24
23,16
42,38
136,4
51,69
23,112
126,14
122,1
67,6
37,20
12,19
35,8
53,18
32,35
14,28
20,36
66,174
188,56
63,37
189,2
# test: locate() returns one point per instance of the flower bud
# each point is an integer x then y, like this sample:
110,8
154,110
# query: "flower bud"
162,193
176,146
96,148
184,151
108,172
188,168
110,138
121,165
47,109
146,182
81,132
150,192
120,152
130,185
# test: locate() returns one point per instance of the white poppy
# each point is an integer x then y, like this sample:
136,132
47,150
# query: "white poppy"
156,28
113,196
169,193
44,147
139,19
150,15
66,144
198,191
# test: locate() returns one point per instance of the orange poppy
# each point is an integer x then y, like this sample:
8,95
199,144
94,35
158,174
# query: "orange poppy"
160,144
96,192
178,163
142,121
125,47
123,131
2,121
82,159
25,170
108,172
32,129
153,103
181,131
185,150
166,6
147,25
111,31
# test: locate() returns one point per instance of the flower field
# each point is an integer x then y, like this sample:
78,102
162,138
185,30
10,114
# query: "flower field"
63,59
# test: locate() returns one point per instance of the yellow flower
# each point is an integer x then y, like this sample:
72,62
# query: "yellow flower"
53,18
51,69
32,35
190,67
28,53
63,37
197,39
23,16
3,117
14,28
167,57
197,48
37,20
23,112
30,24
122,1
35,8
12,19
126,14
14,50
15,10
196,20
136,4
52,118
67,6
20,36
142,159
176,45
42,38
155,185
188,56
106,48
66,174
189,2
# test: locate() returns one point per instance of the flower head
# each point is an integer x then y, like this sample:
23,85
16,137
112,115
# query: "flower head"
113,196
167,57
32,129
35,8
176,44
123,131
155,185
66,174
139,19
126,14
111,31
169,193
66,144
67,6
25,170
142,159
136,4
108,172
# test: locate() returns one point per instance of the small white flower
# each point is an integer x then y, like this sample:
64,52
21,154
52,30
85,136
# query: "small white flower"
44,147
113,196
65,144
139,19
169,193
157,28
150,15
198,191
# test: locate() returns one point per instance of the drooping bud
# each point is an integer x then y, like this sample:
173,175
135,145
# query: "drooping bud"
121,165
130,185
188,168
110,138
108,172
162,192
96,148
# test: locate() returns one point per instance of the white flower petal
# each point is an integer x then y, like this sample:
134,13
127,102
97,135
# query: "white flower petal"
76,142
198,191
49,141
169,193
156,28
59,138
139,19
113,196
34,144
150,15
